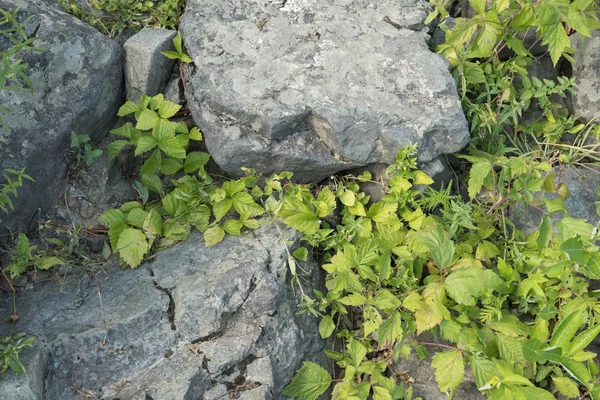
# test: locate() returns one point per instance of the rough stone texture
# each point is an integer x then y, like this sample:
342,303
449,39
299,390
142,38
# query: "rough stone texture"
146,69
586,100
77,85
192,324
28,386
581,183
317,87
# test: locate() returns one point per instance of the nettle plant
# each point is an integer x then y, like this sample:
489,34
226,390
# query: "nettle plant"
514,309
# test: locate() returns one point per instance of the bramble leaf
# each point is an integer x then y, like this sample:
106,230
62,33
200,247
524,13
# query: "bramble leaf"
467,284
311,381
132,246
449,370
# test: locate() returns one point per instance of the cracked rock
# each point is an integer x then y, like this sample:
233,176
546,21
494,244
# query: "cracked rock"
178,328
318,87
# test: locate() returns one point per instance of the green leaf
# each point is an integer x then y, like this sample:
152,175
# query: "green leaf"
245,205
153,223
167,109
381,393
386,301
195,134
220,208
178,42
213,235
354,299
449,370
534,351
441,246
144,144
390,330
479,171
299,216
421,178
170,145
147,120
48,262
327,199
565,329
326,326
311,381
233,227
348,198
510,348
484,370
136,217
577,370
132,246
195,160
301,253
545,233
357,352
152,164
127,108
584,339
574,249
566,387
557,40
153,183
114,148
170,166
467,284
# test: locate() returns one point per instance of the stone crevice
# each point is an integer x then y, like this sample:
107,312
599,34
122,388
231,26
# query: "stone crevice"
171,307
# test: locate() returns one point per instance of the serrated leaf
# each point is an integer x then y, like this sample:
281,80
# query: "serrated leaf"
220,208
467,284
153,223
441,246
574,249
348,198
213,236
127,108
195,134
545,233
170,166
299,216
385,301
557,40
245,205
136,217
326,326
534,351
152,164
167,109
170,145
357,352
484,371
147,120
479,171
48,262
421,178
144,144
233,227
390,330
195,160
132,246
449,370
510,348
311,381
354,299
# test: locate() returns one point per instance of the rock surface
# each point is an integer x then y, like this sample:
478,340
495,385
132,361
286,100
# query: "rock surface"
586,100
318,87
77,86
147,70
192,324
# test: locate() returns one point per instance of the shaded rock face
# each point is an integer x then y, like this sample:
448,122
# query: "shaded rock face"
77,85
318,87
586,99
192,323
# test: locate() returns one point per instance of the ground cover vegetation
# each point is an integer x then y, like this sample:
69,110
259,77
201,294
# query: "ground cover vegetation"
514,309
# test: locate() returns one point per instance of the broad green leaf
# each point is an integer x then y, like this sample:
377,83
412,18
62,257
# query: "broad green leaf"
114,148
220,208
385,301
354,299
484,371
147,120
479,7
381,211
136,217
381,393
565,329
449,370
566,387
195,160
245,205
301,253
170,166
153,223
479,171
132,246
233,227
574,249
357,351
510,348
48,262
127,108
152,164
144,144
532,392
534,351
348,198
557,40
327,198
326,326
299,216
311,381
421,178
441,246
170,145
195,134
167,109
467,284
153,183
213,235
390,330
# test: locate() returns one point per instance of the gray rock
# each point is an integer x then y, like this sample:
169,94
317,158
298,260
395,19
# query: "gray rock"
192,323
586,99
28,386
581,183
146,69
77,86
317,87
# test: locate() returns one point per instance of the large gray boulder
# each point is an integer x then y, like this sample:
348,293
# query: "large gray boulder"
78,86
586,70
315,87
194,323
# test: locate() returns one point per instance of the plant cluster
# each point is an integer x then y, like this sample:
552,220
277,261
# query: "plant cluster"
83,149
113,16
